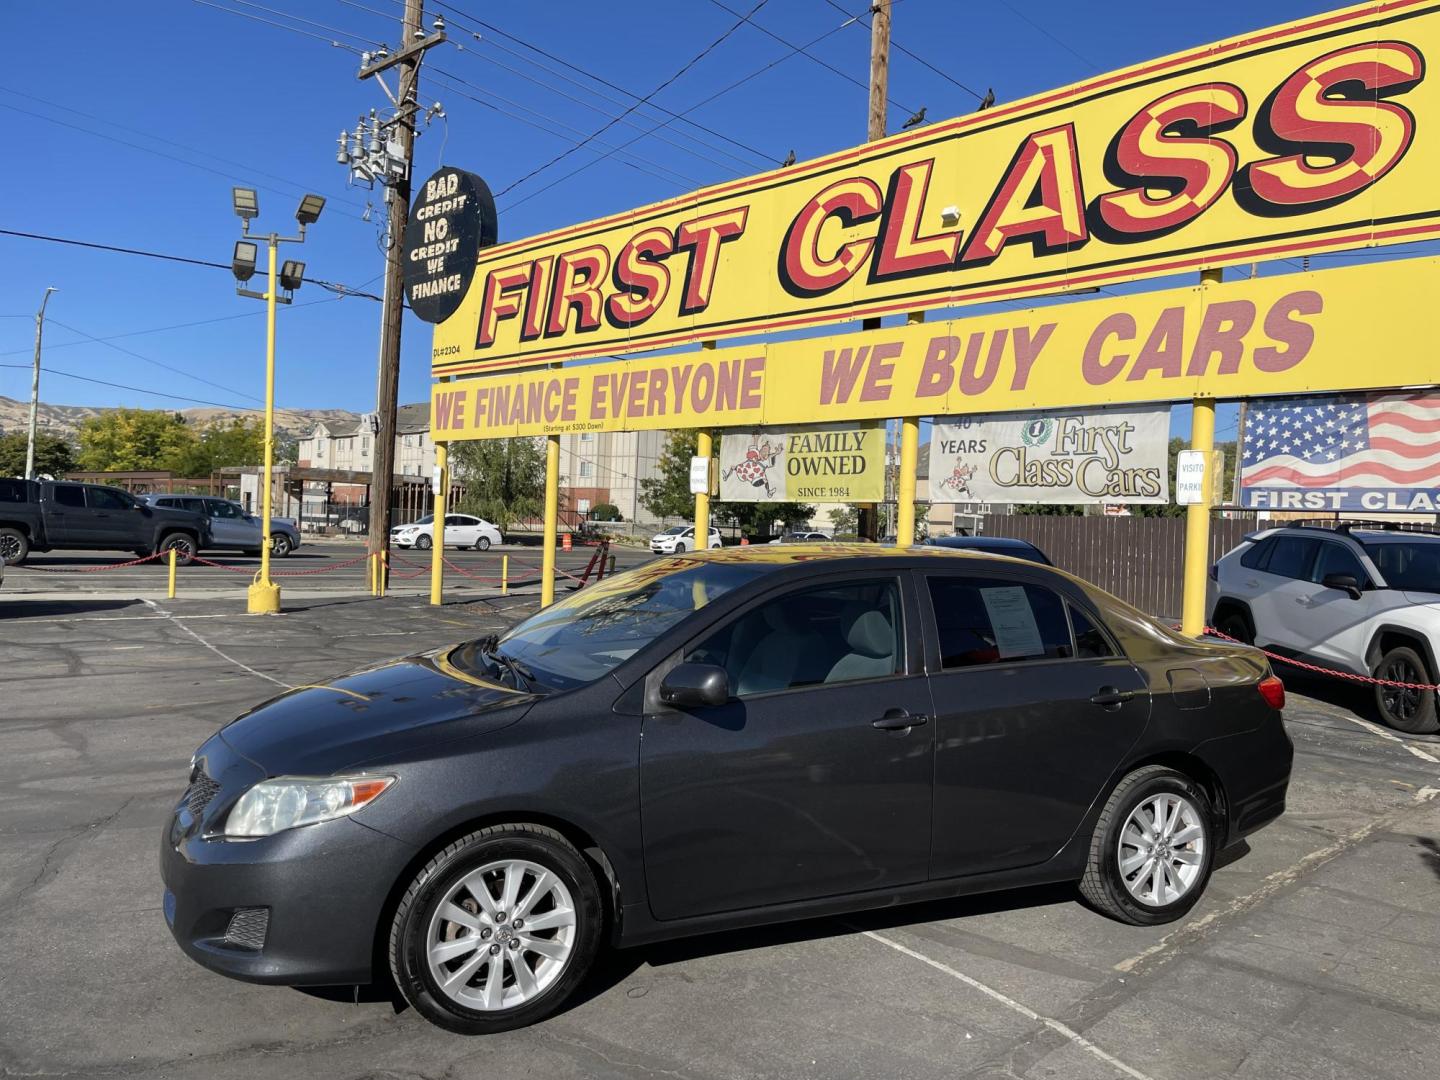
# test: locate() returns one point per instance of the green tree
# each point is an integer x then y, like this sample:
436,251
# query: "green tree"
135,440
239,441
54,456
504,479
605,512
668,494
845,521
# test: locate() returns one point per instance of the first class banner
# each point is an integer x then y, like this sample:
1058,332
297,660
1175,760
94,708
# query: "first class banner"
1358,327
1318,135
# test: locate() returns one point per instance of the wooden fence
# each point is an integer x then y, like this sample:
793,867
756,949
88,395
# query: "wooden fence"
1137,559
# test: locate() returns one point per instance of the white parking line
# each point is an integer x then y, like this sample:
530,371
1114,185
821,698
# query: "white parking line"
1376,729
220,653
1010,1003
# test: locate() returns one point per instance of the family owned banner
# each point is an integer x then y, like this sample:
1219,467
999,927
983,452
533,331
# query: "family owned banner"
1079,456
816,463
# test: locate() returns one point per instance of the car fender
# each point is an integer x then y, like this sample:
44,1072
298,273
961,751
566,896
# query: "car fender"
1395,622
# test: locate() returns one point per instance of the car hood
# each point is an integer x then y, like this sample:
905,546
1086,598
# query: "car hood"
388,712
1422,599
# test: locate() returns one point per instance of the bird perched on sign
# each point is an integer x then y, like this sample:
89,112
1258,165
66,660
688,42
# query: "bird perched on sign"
789,160
918,118
986,102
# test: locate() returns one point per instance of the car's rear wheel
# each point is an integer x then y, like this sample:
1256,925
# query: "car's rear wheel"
1403,708
483,544
183,545
1152,849
497,930
14,546
423,542
280,545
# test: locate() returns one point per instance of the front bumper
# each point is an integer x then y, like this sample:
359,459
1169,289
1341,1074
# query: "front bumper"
298,908
402,541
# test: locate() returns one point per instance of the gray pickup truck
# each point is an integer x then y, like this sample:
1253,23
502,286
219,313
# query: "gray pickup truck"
51,515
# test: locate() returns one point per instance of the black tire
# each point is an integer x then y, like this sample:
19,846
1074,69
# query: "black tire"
408,933
1103,886
183,545
1410,711
680,548
14,547
483,544
423,542
1235,625
280,545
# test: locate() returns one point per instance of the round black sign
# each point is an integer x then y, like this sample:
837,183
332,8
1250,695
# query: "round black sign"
451,219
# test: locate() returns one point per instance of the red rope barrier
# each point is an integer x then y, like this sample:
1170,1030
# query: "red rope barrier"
1349,676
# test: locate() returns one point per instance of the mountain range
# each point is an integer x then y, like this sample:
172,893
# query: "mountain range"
65,419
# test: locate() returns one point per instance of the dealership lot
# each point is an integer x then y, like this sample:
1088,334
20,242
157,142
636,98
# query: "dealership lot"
1316,953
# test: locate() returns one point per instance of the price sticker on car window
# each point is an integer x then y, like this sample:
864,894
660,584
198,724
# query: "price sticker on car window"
1012,621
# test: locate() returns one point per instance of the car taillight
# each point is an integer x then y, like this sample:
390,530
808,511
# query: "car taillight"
1214,571
1273,691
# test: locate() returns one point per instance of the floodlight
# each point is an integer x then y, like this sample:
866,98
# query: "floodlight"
310,207
247,203
243,261
291,275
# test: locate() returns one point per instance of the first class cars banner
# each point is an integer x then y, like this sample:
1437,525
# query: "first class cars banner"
1359,327
1319,135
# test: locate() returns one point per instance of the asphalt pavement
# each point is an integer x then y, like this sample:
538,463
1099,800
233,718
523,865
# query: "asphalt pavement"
1315,953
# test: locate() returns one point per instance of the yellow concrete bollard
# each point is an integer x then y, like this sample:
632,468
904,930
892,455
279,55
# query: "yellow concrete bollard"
170,594
504,575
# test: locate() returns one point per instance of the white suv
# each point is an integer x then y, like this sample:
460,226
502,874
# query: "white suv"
680,538
1359,598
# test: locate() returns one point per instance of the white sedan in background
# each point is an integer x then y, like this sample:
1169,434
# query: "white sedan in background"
681,538
461,531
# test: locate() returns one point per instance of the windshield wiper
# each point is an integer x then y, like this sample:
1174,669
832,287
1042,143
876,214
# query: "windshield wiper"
518,672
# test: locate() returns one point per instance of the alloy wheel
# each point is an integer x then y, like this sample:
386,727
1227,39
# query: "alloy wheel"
502,935
1161,851
1401,702
9,548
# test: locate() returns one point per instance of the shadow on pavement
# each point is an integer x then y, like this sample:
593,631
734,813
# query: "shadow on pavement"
11,608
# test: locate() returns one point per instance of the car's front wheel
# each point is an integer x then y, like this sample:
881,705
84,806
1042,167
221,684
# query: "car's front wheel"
680,548
497,930
423,542
1403,707
1152,849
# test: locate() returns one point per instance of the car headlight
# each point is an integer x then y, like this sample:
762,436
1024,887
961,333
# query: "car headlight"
288,802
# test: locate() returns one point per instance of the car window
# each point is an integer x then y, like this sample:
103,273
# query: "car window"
196,506
1411,566
222,508
984,620
69,495
14,491
1090,641
829,634
1337,559
455,519
1292,557
1258,555
104,499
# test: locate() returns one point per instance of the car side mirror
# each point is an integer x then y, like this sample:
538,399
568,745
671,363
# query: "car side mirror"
1346,583
689,686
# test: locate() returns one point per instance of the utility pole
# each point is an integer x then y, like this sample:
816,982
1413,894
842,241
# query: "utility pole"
391,166
35,385
868,519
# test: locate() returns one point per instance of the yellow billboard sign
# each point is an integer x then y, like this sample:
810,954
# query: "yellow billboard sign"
1353,328
1302,138
818,462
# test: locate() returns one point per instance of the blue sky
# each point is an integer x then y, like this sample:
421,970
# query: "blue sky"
132,123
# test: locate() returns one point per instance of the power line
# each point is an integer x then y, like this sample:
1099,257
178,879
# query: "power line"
156,363
606,127
802,50
282,26
307,22
918,59
699,104
335,287
133,389
571,65
1058,41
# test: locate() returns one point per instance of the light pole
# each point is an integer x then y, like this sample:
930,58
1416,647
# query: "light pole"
264,594
35,385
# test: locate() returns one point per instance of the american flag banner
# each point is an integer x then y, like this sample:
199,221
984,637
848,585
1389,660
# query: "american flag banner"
1372,453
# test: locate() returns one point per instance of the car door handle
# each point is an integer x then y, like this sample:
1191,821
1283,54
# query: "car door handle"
898,720
1109,697
1252,584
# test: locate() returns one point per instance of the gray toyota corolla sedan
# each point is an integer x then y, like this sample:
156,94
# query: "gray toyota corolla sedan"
712,741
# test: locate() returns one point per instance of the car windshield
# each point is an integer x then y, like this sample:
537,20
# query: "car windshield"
592,631
426,520
675,530
1414,567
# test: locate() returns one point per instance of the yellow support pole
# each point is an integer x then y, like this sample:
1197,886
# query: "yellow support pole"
1197,522
552,516
171,592
704,447
382,573
437,553
370,569
263,597
905,495
504,575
